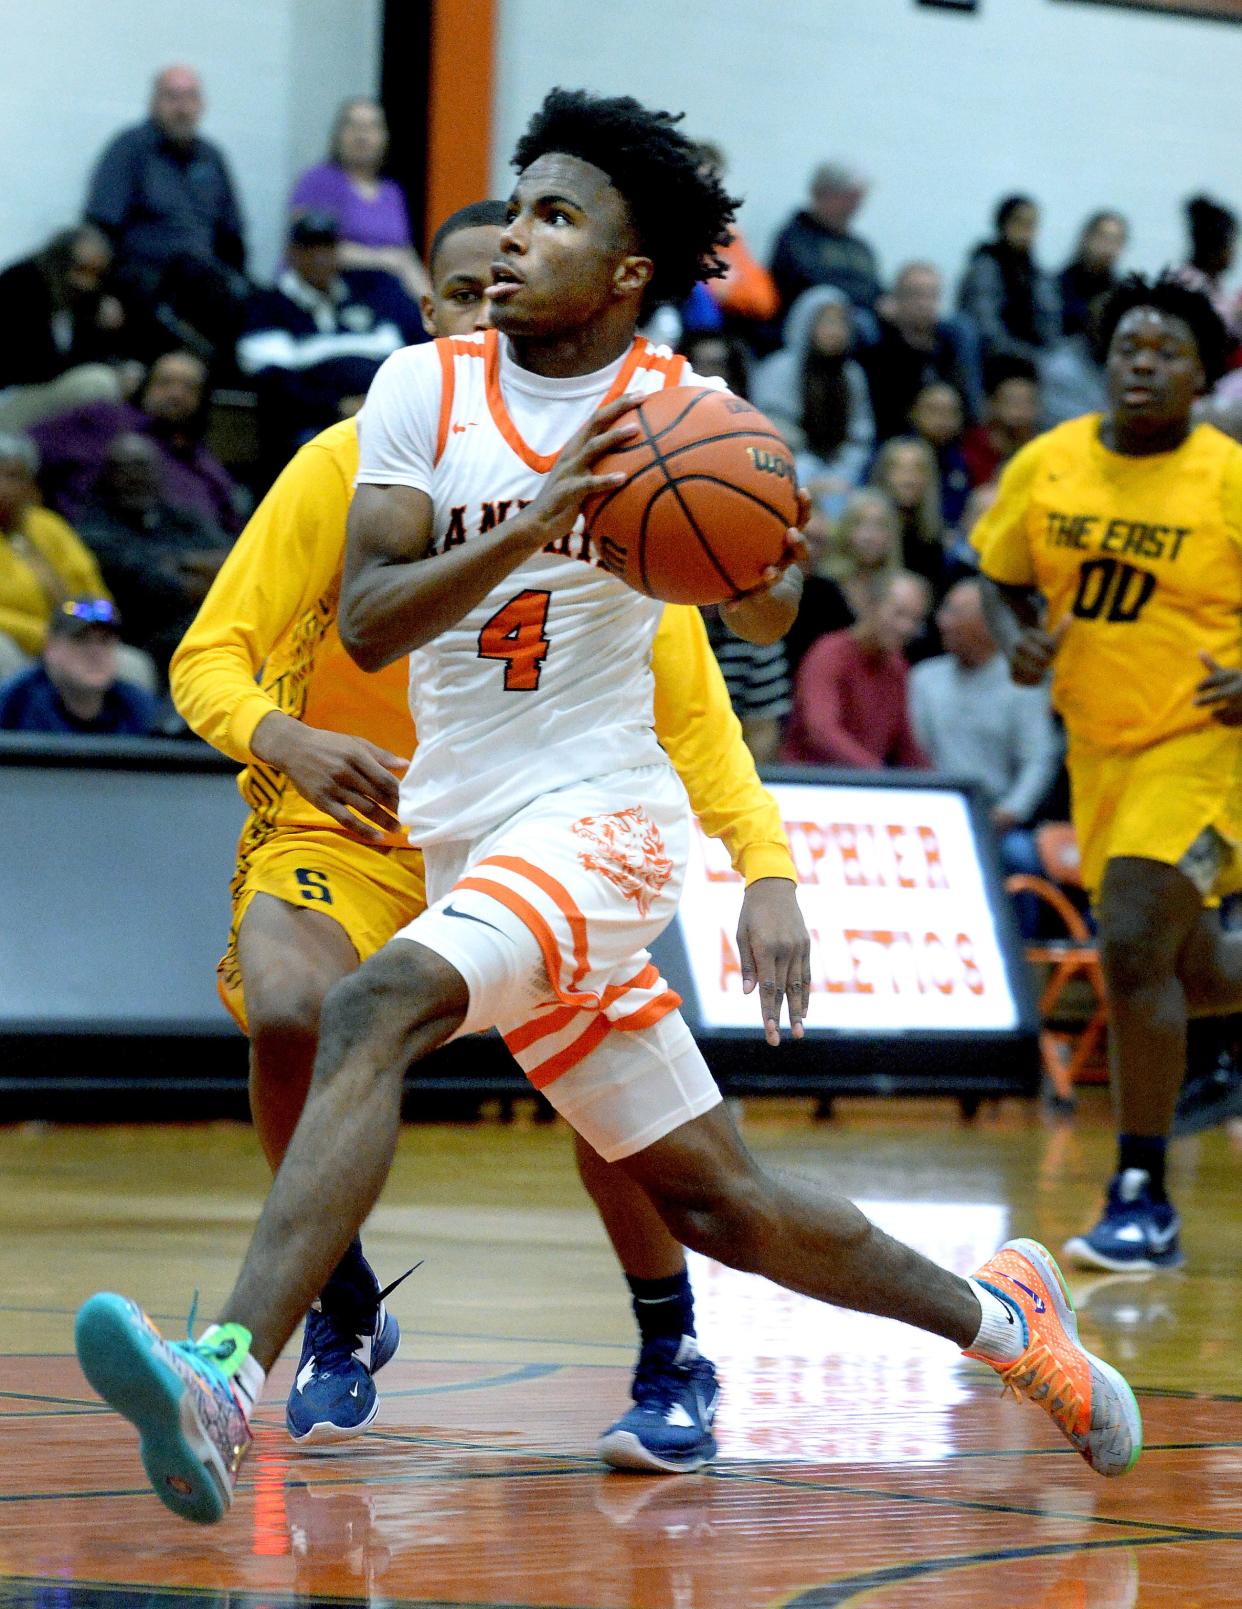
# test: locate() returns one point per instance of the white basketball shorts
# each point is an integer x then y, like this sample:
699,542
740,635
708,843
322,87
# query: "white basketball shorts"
548,919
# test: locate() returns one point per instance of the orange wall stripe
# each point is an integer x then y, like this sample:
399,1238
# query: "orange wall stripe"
459,112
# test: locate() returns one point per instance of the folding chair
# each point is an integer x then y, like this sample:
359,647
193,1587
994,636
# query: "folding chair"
1071,1054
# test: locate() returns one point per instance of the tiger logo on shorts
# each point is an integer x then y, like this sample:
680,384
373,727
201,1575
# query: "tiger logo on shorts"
628,850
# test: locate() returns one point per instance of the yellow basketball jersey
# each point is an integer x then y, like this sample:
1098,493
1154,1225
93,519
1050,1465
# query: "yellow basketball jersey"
1144,555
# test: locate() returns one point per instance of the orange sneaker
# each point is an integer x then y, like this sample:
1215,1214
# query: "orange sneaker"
1089,1401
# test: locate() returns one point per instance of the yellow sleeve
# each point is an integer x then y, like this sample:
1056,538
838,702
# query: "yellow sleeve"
1001,537
68,555
283,562
701,735
1231,495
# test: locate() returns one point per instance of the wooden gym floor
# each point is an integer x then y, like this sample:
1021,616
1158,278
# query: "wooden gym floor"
860,1463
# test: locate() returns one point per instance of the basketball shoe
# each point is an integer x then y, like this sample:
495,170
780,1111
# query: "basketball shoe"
178,1396
1087,1399
1134,1232
348,1337
669,1428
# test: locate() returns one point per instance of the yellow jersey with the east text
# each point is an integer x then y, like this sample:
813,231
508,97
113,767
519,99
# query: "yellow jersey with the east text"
1144,557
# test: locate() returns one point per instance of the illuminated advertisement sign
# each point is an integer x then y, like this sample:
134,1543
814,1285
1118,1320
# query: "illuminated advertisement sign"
904,936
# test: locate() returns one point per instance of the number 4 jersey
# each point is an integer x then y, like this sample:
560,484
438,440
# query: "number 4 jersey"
547,681
1145,557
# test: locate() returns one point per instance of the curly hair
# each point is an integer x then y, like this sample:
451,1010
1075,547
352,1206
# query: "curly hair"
1171,296
678,207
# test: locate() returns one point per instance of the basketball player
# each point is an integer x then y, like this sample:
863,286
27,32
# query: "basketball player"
1115,550
317,889
553,831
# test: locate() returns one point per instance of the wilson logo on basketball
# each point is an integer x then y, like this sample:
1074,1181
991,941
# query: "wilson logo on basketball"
769,463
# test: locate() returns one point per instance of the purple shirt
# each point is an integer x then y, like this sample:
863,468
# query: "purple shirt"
382,221
72,447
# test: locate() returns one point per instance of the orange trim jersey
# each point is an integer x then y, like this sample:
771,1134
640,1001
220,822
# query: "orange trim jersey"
1144,557
266,639
547,680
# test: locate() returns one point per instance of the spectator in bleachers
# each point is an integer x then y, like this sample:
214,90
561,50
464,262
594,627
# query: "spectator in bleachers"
906,471
974,721
370,210
314,341
77,687
1011,300
63,330
814,391
1072,377
713,354
852,558
938,417
816,246
42,561
1092,271
850,697
165,198
158,560
916,347
747,294
758,681
1010,419
170,409
1213,231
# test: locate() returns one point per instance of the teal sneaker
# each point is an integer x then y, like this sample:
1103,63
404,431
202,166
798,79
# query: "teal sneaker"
176,1394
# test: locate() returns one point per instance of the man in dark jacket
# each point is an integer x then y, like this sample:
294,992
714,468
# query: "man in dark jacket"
165,198
314,341
816,247
916,348
63,329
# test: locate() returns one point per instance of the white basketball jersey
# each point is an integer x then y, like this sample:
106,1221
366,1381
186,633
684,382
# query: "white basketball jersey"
548,680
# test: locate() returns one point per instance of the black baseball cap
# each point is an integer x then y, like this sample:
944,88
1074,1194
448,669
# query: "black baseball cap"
77,615
314,228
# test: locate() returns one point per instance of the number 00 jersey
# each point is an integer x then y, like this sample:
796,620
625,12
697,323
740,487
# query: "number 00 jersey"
548,680
1144,555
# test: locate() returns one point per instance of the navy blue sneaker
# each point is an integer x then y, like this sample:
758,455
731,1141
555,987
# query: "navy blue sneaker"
1134,1232
348,1337
669,1428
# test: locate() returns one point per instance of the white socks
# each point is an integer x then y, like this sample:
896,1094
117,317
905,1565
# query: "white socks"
1002,1334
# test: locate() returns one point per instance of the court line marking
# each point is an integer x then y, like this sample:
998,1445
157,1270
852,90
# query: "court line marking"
931,1500
260,1597
834,1594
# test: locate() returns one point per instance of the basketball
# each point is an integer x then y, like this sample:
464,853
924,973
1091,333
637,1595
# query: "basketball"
710,495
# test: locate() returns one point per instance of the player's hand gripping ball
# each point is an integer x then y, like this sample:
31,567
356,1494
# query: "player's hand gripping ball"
709,498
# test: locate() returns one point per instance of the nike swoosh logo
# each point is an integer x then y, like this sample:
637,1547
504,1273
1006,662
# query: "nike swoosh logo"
353,1390
465,916
1040,1304
1162,1238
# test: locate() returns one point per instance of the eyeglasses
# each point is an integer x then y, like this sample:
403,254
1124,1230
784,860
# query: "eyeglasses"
95,611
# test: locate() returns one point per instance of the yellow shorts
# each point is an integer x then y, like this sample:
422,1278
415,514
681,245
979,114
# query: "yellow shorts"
370,892
1159,802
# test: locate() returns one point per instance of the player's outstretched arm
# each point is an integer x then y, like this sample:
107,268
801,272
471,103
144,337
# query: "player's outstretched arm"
701,735
397,594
